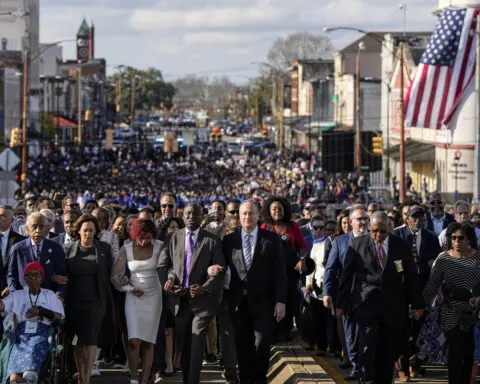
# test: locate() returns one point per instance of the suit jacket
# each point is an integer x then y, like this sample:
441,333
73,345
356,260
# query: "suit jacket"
265,283
207,252
449,219
429,250
104,270
60,239
335,263
365,287
13,238
52,259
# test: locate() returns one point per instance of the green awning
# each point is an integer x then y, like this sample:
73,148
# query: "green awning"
328,128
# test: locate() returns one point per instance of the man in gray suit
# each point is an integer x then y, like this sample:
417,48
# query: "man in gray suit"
186,256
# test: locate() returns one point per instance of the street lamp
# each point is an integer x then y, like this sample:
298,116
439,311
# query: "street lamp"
381,40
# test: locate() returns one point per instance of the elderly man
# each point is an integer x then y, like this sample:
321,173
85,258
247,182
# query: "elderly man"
378,282
186,257
8,238
38,248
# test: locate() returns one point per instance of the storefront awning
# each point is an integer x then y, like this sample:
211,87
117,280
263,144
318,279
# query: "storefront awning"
415,152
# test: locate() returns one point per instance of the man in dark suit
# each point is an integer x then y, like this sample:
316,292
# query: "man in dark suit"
258,286
438,219
425,249
186,256
379,278
8,238
333,271
37,248
69,236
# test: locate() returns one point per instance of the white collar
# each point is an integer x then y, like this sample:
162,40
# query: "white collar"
6,233
253,233
195,233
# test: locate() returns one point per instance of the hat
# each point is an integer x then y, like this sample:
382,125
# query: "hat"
414,209
34,266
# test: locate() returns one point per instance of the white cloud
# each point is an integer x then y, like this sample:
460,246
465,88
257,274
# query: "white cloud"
182,36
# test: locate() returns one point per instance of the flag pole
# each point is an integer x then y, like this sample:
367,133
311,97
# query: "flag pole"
476,180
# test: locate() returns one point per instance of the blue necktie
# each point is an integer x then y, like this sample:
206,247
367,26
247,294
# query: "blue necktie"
37,252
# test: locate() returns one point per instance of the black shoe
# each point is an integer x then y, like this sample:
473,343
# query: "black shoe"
353,377
211,358
346,365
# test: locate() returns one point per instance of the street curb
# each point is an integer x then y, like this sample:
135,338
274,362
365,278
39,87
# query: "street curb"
291,364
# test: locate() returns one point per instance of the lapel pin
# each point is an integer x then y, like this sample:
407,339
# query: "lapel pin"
50,250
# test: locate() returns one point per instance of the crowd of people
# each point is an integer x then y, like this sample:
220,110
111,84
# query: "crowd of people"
238,256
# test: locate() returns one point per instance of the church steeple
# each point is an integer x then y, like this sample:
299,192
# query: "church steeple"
83,30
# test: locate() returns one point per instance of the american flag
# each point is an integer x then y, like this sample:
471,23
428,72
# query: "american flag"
445,69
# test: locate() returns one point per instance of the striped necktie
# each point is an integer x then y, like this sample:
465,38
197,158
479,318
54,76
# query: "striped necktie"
247,251
37,252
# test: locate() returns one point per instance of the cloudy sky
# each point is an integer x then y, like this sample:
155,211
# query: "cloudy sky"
215,37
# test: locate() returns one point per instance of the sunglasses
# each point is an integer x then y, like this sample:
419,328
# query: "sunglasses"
234,212
167,205
382,231
459,238
319,228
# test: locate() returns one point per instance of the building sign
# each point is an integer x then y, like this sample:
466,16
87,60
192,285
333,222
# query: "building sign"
459,169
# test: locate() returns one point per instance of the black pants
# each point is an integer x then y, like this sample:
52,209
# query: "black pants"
461,347
291,306
407,343
376,345
254,333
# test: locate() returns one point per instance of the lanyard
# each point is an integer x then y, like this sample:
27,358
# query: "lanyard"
34,304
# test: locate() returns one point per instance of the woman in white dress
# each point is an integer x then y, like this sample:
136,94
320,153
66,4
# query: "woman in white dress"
143,303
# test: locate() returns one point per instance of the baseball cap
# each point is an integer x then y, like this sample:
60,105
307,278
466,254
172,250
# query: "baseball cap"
415,209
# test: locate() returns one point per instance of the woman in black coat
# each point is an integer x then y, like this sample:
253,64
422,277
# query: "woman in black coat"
89,297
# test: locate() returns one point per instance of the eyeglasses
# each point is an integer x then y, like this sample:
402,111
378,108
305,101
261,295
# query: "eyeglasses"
233,212
363,218
459,238
319,228
382,231
167,205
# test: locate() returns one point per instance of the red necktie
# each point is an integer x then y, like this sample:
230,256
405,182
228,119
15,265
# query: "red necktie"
381,256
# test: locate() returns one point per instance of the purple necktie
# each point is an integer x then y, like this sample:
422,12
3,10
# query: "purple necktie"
188,258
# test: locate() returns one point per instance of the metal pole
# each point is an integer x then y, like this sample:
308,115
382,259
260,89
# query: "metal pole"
24,123
257,112
282,128
402,128
132,102
80,103
476,168
388,137
357,116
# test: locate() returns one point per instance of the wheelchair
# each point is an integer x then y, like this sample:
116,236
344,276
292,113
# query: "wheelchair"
51,371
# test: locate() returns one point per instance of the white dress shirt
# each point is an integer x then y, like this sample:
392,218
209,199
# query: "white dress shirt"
35,246
253,239
5,245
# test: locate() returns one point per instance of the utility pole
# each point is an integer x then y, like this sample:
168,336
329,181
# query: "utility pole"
24,122
476,179
80,102
358,156
402,127
132,101
118,94
280,114
257,112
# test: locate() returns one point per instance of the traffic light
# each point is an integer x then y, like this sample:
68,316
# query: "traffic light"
265,133
377,145
15,137
213,137
88,115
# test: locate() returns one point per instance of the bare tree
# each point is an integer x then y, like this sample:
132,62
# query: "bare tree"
298,46
197,90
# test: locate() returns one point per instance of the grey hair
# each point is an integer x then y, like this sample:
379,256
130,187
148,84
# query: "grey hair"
36,215
379,217
356,208
253,202
462,203
48,214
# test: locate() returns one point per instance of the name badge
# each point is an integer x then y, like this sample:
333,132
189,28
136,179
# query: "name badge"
399,265
31,327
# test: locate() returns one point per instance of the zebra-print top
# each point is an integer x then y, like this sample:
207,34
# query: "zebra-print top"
456,272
